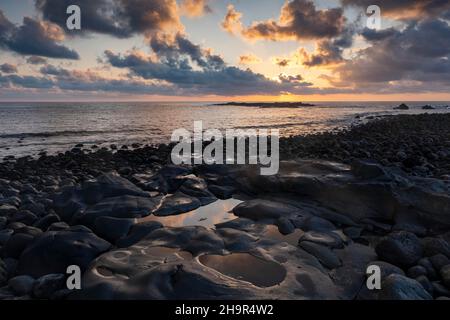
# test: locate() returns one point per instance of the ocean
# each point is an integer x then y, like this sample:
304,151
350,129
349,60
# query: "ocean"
30,128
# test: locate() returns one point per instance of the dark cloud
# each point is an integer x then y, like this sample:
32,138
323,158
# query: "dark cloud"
194,70
81,81
55,71
299,20
119,18
8,68
330,52
419,53
298,79
180,51
31,82
410,9
378,35
36,60
34,38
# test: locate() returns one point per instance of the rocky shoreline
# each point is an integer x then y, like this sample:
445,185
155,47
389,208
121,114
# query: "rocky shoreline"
374,194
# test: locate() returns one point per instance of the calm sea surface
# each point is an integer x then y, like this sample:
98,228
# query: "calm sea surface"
29,128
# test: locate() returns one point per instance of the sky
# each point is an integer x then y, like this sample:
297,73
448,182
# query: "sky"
221,50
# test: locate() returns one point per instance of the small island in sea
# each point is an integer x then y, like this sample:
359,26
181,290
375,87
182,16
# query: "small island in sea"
267,104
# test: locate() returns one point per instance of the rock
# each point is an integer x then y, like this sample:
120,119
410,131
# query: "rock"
195,240
418,230
428,107
402,107
47,285
314,223
75,199
21,285
386,268
439,261
47,221
426,263
400,248
3,222
32,231
445,275
285,226
24,216
222,192
426,284
416,271
112,229
434,246
16,244
171,171
367,170
125,171
54,251
398,287
326,256
176,204
7,210
3,273
11,266
5,234
440,290
138,232
58,226
328,239
353,232
197,188
258,209
125,207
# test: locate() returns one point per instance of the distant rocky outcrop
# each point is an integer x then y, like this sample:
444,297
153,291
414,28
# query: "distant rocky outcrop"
402,107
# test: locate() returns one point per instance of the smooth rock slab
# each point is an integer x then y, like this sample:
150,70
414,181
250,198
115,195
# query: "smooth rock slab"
328,239
258,209
144,272
176,204
125,207
326,256
54,251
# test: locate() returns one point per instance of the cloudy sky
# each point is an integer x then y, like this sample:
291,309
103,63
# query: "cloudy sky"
225,49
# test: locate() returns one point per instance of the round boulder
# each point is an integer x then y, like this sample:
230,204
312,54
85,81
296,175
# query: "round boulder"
400,248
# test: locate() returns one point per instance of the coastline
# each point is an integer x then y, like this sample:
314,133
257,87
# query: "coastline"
354,196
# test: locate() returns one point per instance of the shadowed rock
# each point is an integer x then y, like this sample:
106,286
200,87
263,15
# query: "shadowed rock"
54,251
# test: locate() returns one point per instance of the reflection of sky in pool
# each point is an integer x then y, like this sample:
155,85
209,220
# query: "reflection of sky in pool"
246,267
207,216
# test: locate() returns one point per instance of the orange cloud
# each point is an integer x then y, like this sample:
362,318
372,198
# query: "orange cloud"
232,21
298,20
194,8
249,59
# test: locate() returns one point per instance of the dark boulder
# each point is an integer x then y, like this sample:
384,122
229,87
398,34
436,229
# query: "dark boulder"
398,287
54,251
400,248
47,285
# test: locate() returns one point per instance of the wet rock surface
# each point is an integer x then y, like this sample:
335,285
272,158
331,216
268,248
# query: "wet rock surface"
126,218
